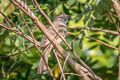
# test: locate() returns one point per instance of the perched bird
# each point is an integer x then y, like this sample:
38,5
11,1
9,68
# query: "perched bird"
60,22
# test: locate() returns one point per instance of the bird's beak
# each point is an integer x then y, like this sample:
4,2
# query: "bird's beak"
68,17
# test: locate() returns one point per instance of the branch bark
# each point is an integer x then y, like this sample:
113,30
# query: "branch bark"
116,6
25,8
77,67
93,29
69,47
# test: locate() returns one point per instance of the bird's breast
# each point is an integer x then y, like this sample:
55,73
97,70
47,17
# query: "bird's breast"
62,30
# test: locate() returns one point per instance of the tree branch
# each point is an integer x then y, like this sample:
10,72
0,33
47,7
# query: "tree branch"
75,54
31,33
93,29
77,67
116,6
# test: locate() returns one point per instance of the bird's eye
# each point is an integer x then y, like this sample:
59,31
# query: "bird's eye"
61,17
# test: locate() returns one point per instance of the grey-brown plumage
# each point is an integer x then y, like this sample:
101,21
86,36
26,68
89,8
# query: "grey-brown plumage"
60,23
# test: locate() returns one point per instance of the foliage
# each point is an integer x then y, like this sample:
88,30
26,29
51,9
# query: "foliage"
92,13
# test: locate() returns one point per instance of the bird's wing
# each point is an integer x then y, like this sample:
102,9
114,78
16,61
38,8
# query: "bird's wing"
44,41
42,67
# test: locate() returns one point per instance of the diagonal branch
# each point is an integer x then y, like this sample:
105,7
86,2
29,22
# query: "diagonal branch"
19,33
108,45
24,7
60,66
37,47
77,67
93,29
75,54
116,6
13,54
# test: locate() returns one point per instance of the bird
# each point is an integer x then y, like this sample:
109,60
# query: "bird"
60,22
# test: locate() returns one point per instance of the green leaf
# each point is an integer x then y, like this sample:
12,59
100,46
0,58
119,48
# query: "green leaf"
71,2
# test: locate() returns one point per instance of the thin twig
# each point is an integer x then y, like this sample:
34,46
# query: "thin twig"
113,20
119,54
74,74
108,45
116,6
65,63
93,29
13,54
60,66
19,33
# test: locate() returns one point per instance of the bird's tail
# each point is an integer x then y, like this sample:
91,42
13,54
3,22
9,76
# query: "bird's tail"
42,67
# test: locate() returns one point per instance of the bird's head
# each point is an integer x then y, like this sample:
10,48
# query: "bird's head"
62,17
